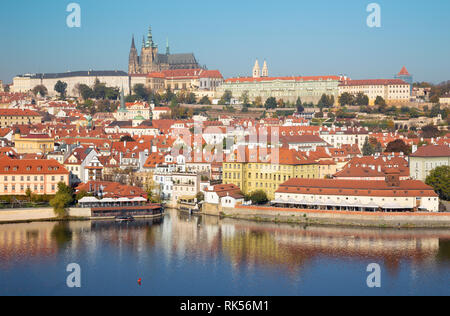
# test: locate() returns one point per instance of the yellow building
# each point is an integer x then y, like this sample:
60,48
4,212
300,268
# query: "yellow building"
10,117
33,143
252,170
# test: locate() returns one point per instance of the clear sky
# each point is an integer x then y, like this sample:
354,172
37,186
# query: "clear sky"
296,37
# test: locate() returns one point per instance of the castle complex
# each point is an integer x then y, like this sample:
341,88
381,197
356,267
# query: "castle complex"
151,60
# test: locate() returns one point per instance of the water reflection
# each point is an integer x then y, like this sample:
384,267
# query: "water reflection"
239,244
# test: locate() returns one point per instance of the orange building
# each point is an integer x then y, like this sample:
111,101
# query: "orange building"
39,175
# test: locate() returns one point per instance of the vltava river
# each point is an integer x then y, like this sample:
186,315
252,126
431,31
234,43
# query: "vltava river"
183,255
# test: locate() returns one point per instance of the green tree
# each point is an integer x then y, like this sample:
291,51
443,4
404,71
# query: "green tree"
245,98
61,88
380,101
226,98
40,89
28,194
140,91
346,99
85,91
205,101
200,197
191,98
326,101
258,197
361,99
63,198
271,103
368,149
439,179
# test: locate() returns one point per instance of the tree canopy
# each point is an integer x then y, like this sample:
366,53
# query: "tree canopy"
61,88
398,146
439,179
271,103
41,90
258,197
62,199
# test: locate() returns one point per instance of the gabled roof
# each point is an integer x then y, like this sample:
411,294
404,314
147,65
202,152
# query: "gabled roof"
432,151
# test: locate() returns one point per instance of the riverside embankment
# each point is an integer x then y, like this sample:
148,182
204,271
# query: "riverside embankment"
363,219
39,214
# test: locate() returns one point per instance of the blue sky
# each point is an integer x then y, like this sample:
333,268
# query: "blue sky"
296,37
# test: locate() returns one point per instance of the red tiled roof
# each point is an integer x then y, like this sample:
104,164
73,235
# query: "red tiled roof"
373,82
407,188
17,112
112,189
154,159
432,151
404,72
31,166
310,78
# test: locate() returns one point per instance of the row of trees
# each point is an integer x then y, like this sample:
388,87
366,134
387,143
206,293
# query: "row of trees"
349,99
437,90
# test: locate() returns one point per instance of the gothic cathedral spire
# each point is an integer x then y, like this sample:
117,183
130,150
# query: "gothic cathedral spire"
133,61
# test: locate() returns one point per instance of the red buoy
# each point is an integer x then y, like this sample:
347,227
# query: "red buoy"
140,281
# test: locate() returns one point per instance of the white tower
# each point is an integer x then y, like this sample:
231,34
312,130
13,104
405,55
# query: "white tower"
256,70
265,70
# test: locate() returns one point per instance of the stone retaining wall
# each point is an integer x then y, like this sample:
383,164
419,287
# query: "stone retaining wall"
339,218
36,214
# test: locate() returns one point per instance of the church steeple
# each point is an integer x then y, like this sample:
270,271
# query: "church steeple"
122,108
256,70
167,47
150,42
265,70
133,46
133,61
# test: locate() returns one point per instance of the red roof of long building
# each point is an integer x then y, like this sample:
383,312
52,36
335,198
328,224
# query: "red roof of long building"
407,188
17,112
310,78
373,82
31,166
432,151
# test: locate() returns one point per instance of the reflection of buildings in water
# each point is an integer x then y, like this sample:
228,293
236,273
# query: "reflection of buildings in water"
291,246
31,240
206,238
192,235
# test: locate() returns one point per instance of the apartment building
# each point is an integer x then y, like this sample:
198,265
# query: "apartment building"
39,175
393,91
10,117
255,169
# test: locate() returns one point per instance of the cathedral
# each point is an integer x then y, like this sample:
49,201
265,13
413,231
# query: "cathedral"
151,60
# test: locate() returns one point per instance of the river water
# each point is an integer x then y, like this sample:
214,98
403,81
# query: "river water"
190,255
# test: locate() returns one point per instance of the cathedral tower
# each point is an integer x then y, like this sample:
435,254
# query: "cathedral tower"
149,55
133,63
265,70
256,70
